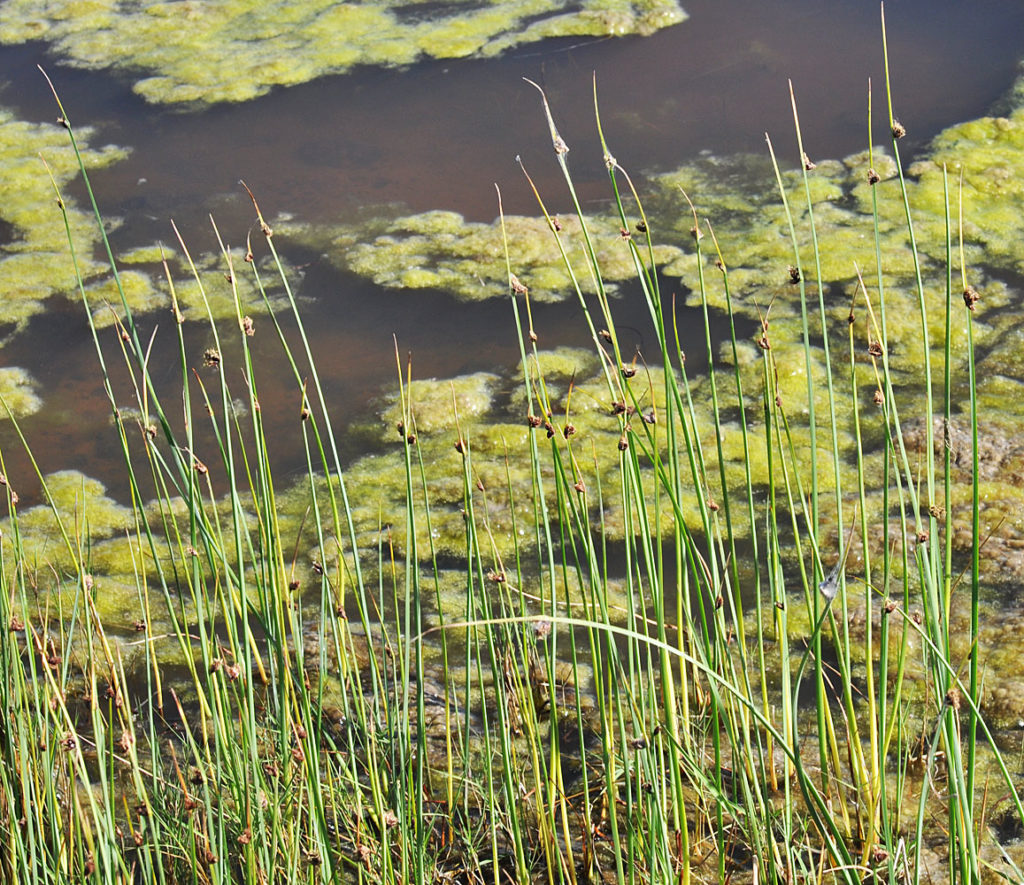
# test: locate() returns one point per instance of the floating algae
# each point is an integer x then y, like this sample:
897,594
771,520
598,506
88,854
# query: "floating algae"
441,250
86,513
196,52
34,261
36,265
18,395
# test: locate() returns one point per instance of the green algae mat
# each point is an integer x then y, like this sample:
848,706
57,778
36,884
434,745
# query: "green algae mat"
195,52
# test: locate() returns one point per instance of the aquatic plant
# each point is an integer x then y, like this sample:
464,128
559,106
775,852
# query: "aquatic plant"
441,250
643,627
191,52
33,250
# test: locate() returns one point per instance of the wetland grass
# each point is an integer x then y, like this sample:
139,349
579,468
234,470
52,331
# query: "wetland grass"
718,689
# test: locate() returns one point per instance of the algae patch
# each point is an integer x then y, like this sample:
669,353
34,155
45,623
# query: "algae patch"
196,52
34,260
18,395
441,250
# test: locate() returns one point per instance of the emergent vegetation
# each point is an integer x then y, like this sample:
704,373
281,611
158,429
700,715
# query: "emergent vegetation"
726,627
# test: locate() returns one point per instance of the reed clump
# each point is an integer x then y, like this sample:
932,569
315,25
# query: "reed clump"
674,629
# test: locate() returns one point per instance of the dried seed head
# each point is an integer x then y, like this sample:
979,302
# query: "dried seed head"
889,606
696,233
953,698
641,227
628,371
579,486
875,348
568,430
618,407
558,143
248,326
794,274
624,233
533,336
211,357
555,223
517,286
873,177
922,537
605,335
763,343
971,297
898,129
808,164
650,417
533,420
623,443
200,467
878,397
460,447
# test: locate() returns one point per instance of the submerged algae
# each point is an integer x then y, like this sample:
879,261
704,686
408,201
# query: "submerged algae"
192,51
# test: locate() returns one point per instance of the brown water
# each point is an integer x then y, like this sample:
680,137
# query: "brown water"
440,135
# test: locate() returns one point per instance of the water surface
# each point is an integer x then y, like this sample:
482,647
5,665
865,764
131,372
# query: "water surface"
441,135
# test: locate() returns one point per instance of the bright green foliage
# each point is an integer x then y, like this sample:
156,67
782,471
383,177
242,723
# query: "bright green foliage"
200,53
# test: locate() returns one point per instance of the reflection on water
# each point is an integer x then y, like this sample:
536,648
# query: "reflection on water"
440,135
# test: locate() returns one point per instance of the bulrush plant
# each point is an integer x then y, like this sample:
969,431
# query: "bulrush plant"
685,700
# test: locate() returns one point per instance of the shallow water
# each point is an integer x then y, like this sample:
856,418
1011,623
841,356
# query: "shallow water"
440,135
